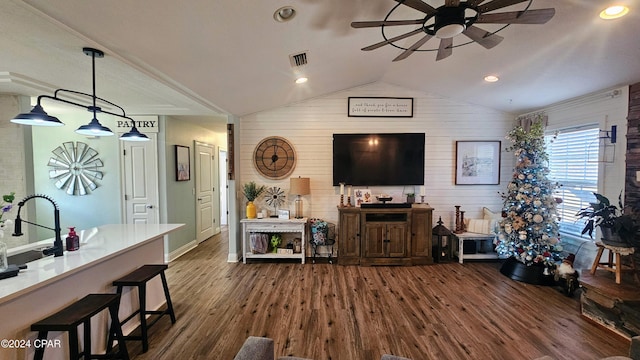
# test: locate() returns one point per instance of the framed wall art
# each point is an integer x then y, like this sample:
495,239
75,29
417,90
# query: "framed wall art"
380,107
183,168
478,162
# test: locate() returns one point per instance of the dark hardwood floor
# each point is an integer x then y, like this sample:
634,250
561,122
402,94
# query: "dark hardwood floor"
324,311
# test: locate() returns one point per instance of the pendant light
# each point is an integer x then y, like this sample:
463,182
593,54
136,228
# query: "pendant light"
38,117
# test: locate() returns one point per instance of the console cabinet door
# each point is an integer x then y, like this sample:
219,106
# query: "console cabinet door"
397,239
349,240
421,234
374,240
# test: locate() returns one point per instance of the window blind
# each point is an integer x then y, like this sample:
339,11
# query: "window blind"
573,163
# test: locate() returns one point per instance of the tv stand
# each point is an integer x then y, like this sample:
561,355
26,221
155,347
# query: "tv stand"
394,234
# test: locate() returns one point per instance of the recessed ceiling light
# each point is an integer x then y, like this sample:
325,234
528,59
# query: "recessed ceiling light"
614,12
285,13
491,78
301,80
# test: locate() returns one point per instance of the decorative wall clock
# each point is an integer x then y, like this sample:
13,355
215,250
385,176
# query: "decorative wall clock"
75,168
274,157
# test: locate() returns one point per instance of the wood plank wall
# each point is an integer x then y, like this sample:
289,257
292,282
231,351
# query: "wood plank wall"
632,186
310,125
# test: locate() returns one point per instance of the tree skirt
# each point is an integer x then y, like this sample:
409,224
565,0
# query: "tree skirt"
533,274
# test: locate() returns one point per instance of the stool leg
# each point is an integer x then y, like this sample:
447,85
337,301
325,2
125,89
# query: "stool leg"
73,344
168,298
111,337
42,335
618,268
596,261
87,339
142,296
117,330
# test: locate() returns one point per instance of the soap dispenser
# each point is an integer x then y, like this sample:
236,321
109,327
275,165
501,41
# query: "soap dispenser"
73,241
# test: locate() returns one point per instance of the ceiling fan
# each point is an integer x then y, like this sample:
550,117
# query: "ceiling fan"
453,18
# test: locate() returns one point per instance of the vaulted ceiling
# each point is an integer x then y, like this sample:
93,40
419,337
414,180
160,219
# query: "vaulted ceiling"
208,57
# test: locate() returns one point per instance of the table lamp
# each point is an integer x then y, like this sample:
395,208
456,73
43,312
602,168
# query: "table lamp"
299,186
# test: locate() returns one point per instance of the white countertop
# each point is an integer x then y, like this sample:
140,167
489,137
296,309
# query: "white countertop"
96,246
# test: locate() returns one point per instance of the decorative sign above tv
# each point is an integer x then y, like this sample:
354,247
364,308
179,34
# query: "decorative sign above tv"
378,159
380,107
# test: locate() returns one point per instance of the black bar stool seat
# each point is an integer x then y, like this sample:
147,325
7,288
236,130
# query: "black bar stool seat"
139,278
78,313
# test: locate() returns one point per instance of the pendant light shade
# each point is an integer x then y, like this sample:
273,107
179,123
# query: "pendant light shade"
37,117
134,135
94,128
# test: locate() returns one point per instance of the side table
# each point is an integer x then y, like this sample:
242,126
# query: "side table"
272,225
482,251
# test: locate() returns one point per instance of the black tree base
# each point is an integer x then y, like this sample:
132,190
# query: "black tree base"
533,274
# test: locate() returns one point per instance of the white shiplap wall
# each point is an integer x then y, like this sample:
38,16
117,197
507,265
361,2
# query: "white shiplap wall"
309,126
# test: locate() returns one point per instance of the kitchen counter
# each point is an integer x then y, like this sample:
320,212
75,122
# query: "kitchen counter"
106,253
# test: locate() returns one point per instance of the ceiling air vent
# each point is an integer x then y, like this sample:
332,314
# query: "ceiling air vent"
298,59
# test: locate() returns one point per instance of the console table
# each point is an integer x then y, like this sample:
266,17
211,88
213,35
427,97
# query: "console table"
272,225
482,252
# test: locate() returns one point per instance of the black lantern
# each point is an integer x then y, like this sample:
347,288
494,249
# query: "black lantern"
443,238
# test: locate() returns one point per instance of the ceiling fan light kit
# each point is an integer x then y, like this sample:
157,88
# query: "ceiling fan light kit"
453,18
38,117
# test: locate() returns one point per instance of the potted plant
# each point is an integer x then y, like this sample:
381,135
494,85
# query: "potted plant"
620,226
411,198
251,191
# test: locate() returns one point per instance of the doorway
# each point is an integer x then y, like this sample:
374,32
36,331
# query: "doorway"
207,194
140,160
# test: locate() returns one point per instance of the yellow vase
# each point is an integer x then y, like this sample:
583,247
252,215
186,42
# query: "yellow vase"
251,210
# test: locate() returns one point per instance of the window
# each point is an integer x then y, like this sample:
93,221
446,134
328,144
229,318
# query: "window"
573,163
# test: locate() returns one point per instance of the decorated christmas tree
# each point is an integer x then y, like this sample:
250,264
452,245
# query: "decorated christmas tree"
529,232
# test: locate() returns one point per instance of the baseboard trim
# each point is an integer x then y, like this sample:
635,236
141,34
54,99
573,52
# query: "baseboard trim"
233,258
181,251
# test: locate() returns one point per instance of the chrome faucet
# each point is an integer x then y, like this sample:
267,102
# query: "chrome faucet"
57,248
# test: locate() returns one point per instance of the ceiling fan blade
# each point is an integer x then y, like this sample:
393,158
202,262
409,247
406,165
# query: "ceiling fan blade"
389,41
538,16
445,50
366,24
473,3
497,4
419,5
451,3
483,37
405,54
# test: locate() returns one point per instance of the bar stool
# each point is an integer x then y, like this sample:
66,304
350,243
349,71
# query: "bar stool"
78,313
616,267
139,279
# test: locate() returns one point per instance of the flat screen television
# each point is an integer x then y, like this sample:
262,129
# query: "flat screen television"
378,159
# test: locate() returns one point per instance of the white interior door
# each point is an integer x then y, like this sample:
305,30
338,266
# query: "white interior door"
207,199
140,169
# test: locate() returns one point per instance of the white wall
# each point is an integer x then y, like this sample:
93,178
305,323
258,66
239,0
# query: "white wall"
309,127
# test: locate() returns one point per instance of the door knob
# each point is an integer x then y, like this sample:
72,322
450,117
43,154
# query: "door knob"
149,206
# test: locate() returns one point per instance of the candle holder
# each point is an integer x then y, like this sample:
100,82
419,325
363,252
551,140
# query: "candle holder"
349,201
422,199
341,200
457,230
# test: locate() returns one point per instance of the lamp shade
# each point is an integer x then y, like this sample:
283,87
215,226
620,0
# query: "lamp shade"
38,117
134,135
299,186
94,128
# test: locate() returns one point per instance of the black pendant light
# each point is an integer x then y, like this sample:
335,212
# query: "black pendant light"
38,117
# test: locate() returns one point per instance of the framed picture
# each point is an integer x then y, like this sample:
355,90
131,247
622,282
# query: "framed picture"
362,196
283,214
183,169
478,162
380,107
